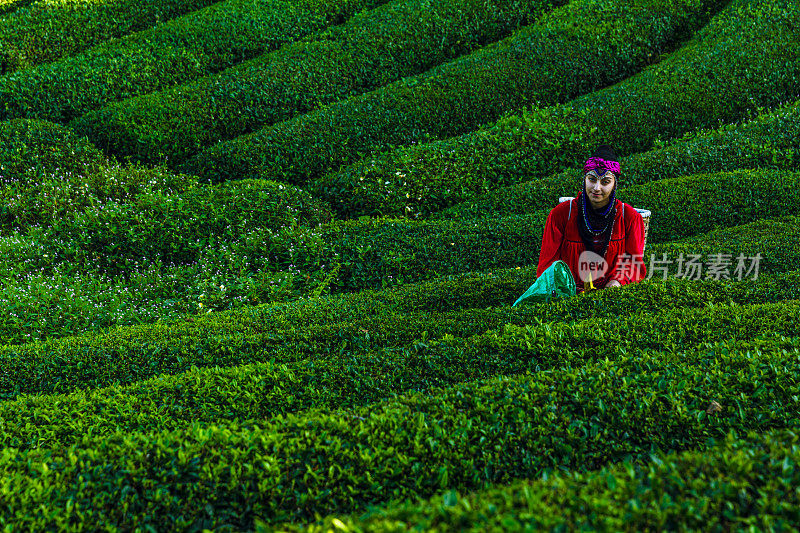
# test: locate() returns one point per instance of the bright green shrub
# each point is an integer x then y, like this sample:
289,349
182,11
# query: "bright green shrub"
741,483
297,468
126,355
52,298
697,204
263,220
714,79
377,47
343,380
180,50
53,195
47,31
379,253
773,239
543,63
766,142
7,6
31,149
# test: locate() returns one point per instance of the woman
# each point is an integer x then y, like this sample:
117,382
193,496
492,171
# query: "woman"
595,221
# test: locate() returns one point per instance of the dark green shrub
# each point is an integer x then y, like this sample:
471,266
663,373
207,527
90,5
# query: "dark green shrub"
350,327
398,39
45,32
298,468
261,219
346,380
33,149
773,240
54,196
543,63
697,204
743,482
766,142
180,50
7,6
713,79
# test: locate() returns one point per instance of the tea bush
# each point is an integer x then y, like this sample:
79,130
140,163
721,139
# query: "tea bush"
180,50
741,482
30,149
47,31
765,142
130,354
398,39
467,437
265,390
711,80
541,63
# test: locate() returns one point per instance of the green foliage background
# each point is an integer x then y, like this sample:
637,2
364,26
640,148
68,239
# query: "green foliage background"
257,259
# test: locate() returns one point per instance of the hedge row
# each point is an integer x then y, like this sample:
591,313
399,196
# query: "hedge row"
368,255
7,6
337,381
51,194
180,50
297,468
398,39
49,174
48,31
690,205
773,240
747,483
748,56
697,204
544,63
766,142
32,149
127,355
263,220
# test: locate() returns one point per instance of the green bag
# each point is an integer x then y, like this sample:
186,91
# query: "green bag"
555,282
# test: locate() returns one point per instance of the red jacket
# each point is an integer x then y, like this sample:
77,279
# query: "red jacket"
624,256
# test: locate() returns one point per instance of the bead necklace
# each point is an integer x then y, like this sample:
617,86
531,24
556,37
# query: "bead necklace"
586,220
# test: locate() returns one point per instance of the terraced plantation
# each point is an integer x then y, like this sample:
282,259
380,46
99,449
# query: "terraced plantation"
258,259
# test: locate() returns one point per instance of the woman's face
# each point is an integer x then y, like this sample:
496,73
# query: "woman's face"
599,188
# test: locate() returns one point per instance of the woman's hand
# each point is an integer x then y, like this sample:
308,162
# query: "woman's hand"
613,283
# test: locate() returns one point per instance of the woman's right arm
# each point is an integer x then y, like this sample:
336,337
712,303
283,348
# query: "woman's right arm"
551,242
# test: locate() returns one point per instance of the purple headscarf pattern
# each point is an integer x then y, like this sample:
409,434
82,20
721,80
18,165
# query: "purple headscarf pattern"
601,166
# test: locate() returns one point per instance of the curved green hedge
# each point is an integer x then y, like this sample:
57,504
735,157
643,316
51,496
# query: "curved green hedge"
46,32
265,218
766,142
697,204
398,39
748,56
33,149
774,239
264,391
745,482
180,50
545,62
7,6
290,332
55,196
297,468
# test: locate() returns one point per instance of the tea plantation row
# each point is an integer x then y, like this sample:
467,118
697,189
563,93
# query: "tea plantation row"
368,53
47,31
740,483
400,38
186,48
358,375
710,81
296,467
